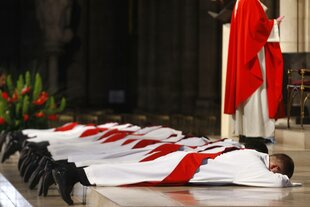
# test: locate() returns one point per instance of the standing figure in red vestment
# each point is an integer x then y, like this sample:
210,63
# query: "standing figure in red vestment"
254,72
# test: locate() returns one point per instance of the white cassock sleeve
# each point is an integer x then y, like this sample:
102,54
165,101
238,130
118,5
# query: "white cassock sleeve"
240,167
274,34
258,175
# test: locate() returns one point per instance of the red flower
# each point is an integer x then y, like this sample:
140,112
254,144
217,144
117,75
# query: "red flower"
2,121
26,117
39,114
25,90
52,117
5,95
41,99
14,97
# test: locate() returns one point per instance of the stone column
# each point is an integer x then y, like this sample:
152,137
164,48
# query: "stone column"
226,120
295,29
54,18
303,24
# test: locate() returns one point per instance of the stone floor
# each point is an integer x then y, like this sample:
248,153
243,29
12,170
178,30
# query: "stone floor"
13,192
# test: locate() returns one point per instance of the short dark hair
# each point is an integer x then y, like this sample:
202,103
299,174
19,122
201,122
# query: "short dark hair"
286,162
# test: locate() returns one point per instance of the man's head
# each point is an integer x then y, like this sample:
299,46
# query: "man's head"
281,163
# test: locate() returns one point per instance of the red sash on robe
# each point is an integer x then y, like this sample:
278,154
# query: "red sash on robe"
249,32
66,127
185,170
115,137
144,143
90,132
161,150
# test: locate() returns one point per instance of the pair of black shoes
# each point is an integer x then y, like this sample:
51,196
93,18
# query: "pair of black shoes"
43,177
256,143
44,164
244,139
30,155
35,166
11,144
66,176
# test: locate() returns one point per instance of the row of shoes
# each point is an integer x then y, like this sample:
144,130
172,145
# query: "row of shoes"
10,142
35,164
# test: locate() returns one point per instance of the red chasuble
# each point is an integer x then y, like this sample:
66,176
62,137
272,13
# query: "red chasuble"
249,32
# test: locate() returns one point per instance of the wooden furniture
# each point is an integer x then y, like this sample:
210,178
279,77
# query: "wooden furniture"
298,84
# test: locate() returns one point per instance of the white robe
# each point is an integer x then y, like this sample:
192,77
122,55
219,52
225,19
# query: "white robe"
241,167
136,155
77,147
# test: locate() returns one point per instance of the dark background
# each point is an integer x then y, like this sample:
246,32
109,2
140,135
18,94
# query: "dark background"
146,56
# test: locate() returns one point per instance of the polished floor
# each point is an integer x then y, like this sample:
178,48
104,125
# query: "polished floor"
13,192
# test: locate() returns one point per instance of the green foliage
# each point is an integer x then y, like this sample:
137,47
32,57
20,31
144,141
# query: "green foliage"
24,103
37,86
10,85
27,79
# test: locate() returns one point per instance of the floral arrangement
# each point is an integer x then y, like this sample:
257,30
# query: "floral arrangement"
24,104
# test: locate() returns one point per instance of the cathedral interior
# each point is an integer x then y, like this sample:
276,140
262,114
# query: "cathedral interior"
164,56
145,62
155,58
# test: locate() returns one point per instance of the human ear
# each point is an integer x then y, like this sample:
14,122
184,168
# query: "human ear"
274,168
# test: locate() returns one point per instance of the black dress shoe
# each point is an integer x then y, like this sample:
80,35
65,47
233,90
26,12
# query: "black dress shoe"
31,167
26,162
256,145
65,181
242,138
14,142
2,138
37,174
40,184
258,139
25,152
12,147
46,179
6,141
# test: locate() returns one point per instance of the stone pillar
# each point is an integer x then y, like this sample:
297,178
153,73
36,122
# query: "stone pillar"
54,18
226,120
295,29
303,24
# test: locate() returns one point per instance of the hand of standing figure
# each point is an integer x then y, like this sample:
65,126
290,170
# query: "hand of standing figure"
279,19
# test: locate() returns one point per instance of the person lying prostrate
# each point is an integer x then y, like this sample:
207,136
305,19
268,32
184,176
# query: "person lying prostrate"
238,167
103,146
149,152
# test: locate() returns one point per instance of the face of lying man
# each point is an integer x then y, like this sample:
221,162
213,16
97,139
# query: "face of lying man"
274,165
